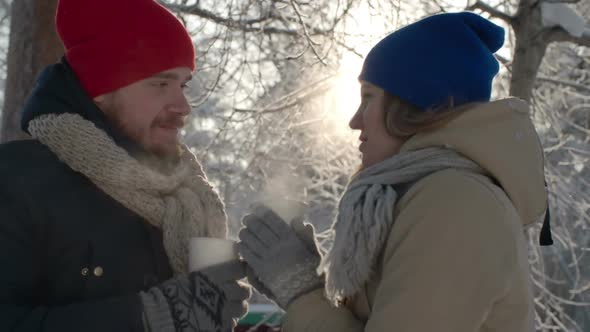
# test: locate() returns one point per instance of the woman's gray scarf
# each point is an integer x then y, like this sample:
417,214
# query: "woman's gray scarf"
365,215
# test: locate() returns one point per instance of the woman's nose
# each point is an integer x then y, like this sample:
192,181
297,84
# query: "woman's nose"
356,121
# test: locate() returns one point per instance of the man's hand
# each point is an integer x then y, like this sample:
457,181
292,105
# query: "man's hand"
211,300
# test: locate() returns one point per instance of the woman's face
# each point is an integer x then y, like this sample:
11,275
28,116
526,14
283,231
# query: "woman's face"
376,144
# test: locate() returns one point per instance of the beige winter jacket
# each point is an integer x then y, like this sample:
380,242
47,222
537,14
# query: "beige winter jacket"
456,257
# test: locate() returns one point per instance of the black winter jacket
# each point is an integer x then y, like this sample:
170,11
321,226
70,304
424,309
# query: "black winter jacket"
72,258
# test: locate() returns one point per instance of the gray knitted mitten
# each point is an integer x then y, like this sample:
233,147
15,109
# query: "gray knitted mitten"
210,300
283,264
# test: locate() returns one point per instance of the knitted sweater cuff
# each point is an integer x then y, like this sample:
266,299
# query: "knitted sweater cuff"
156,312
300,279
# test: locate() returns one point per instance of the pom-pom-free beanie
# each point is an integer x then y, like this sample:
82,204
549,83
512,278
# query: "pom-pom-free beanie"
437,59
113,43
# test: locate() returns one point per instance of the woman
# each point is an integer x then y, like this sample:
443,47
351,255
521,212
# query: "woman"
429,233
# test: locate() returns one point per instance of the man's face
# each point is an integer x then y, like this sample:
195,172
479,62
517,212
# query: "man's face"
152,111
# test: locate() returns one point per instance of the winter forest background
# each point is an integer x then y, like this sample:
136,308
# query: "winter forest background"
276,86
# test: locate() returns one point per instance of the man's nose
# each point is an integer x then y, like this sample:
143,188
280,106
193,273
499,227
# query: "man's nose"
180,105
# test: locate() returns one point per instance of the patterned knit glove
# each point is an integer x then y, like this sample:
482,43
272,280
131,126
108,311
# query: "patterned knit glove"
283,264
210,300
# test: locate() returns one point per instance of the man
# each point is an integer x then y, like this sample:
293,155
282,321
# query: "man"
97,209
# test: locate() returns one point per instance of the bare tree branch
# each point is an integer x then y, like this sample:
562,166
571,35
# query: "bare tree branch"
296,98
526,6
5,8
566,83
349,48
441,8
310,42
494,12
562,1
506,62
204,13
245,25
558,34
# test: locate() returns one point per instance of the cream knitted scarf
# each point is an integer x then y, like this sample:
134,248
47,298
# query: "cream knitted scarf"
182,204
366,216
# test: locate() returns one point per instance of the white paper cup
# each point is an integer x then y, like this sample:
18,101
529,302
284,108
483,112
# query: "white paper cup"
206,251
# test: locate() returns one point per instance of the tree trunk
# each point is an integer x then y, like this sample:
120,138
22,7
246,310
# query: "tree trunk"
529,50
532,40
34,44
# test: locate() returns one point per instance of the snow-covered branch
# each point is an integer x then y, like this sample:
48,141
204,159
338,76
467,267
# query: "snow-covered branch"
565,23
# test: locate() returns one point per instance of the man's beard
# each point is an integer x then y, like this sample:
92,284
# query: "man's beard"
162,161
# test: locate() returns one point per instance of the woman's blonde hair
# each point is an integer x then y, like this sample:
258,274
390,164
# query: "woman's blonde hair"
404,120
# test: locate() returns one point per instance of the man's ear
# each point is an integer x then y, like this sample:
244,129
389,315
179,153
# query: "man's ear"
99,99
102,101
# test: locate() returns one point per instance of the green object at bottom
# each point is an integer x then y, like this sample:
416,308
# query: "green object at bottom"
269,315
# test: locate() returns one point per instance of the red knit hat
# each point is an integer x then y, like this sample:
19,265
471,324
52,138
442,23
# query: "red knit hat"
113,43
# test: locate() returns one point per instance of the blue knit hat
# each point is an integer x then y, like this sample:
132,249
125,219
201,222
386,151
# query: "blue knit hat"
437,58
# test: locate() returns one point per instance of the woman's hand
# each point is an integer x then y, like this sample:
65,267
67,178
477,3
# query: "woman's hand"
283,264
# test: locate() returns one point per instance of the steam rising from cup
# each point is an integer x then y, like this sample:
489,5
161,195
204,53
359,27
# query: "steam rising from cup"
282,194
